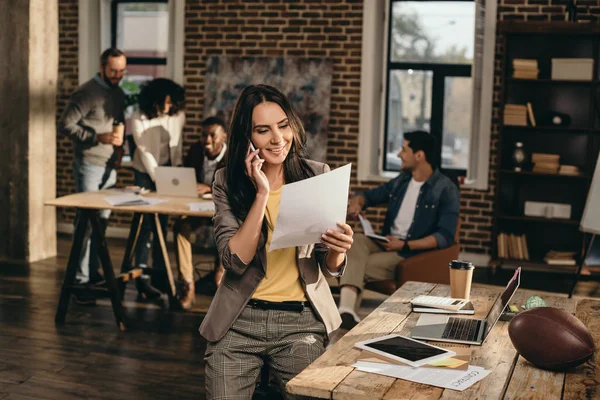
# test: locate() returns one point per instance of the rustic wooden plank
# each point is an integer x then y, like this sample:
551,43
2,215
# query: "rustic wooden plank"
496,354
321,377
528,381
583,382
482,299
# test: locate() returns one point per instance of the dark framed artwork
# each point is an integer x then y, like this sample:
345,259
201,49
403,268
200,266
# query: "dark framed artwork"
306,83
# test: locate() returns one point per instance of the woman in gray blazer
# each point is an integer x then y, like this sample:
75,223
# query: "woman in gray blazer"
272,307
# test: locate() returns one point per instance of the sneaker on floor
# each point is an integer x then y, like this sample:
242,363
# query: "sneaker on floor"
85,299
348,321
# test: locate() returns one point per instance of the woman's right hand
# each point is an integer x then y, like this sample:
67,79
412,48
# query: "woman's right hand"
254,171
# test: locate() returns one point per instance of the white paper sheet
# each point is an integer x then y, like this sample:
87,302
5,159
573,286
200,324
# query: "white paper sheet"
368,229
202,206
440,377
132,199
309,207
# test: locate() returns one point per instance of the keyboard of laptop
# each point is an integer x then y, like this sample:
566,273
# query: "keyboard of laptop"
461,329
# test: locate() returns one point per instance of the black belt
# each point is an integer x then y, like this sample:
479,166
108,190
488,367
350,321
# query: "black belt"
297,306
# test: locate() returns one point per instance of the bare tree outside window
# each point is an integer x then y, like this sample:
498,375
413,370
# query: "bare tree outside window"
429,85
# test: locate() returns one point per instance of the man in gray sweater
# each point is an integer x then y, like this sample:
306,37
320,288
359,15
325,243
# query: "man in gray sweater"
93,119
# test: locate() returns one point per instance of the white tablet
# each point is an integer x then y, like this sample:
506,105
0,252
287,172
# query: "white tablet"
404,349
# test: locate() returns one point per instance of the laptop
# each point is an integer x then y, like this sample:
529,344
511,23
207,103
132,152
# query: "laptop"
465,330
176,181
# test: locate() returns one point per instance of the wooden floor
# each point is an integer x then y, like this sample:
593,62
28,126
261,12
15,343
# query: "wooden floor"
88,358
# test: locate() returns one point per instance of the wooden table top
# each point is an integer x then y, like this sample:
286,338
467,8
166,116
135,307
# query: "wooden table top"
332,376
175,205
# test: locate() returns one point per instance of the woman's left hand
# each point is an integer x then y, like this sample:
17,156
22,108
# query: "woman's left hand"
340,242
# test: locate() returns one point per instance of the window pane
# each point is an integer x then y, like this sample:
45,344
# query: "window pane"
409,109
143,29
458,95
433,31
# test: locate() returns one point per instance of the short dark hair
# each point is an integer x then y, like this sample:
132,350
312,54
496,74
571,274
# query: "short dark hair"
153,95
213,121
421,140
110,52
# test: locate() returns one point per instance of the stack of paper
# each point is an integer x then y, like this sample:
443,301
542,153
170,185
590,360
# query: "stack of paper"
202,206
452,373
132,199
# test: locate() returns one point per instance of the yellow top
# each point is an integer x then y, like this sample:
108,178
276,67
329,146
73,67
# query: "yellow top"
282,281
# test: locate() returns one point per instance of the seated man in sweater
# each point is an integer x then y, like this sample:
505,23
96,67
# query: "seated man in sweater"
423,207
206,157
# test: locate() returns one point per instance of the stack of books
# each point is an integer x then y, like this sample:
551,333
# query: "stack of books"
560,257
524,68
545,163
515,114
569,170
512,246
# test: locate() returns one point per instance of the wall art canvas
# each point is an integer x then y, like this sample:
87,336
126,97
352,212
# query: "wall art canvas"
306,83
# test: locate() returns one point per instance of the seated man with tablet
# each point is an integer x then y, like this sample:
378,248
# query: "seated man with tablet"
464,330
406,350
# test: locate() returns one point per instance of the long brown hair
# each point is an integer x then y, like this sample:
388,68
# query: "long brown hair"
240,190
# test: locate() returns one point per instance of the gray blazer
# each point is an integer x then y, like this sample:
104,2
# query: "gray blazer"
241,280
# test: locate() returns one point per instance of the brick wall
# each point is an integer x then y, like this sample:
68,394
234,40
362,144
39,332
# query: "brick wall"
67,83
298,28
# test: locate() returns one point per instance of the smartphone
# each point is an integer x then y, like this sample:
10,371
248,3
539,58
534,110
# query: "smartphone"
253,148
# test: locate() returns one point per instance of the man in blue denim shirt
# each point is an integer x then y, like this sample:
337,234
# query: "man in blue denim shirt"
423,207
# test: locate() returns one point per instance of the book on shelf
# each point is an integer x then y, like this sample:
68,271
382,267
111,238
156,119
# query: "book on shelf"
545,157
546,168
525,68
545,163
560,257
515,114
569,170
530,113
512,246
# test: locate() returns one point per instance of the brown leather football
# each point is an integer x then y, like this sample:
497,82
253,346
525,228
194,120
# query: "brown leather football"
551,338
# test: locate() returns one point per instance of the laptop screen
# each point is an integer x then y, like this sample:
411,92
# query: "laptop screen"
502,301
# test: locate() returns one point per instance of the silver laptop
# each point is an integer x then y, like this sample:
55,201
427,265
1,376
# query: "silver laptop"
465,330
176,181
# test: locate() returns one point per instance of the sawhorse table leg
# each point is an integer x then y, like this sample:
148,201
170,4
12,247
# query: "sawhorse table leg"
72,265
171,290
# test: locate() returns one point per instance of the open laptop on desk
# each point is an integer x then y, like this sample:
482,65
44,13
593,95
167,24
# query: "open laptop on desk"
465,330
176,181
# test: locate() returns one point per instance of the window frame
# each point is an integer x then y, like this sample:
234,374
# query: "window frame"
440,71
114,5
373,80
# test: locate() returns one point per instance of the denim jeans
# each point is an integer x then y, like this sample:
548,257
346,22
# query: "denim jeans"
91,178
143,244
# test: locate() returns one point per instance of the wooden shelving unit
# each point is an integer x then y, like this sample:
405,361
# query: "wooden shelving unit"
577,144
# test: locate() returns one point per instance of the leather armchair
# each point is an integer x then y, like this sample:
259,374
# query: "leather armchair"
431,266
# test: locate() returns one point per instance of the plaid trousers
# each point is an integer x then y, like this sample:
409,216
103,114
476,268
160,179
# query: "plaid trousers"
287,341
